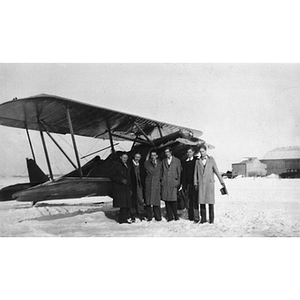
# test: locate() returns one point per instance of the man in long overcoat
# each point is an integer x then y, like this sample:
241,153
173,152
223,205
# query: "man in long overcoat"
120,176
137,179
153,168
204,181
171,171
187,181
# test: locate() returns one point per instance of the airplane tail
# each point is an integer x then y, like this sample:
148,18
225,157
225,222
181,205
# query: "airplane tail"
36,175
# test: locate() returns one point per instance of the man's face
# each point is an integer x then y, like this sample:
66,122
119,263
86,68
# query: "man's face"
137,157
190,153
153,156
168,153
124,158
203,152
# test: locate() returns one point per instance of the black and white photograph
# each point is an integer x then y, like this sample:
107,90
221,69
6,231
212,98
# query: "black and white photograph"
149,149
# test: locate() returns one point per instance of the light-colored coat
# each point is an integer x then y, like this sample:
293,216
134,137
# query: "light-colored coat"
152,183
170,179
205,181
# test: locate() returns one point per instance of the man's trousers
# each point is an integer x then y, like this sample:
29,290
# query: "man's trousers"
153,210
192,205
171,208
203,213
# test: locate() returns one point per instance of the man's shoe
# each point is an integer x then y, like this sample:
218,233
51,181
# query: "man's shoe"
124,222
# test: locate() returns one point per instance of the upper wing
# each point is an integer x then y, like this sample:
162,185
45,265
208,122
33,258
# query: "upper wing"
47,112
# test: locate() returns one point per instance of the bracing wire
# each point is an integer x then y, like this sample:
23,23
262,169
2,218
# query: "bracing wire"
70,145
93,146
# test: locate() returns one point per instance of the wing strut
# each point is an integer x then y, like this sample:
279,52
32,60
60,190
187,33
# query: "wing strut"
110,138
74,142
30,144
46,152
58,146
133,144
159,129
143,132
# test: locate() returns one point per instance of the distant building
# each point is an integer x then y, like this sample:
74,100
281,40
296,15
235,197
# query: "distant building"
249,168
284,160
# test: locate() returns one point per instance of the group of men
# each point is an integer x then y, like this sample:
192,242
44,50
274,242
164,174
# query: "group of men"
139,188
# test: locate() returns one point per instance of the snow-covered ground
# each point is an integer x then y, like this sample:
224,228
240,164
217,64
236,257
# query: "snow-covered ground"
257,207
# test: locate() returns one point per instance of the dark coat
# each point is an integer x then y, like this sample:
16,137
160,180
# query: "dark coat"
187,174
152,183
204,180
133,180
170,179
121,191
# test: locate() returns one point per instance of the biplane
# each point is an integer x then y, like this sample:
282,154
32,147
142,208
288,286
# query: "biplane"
50,114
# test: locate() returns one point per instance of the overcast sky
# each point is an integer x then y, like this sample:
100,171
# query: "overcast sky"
243,109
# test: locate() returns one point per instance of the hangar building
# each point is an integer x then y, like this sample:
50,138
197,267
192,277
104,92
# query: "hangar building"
284,160
249,168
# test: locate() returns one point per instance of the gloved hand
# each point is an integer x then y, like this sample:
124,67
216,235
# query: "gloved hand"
196,187
124,181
